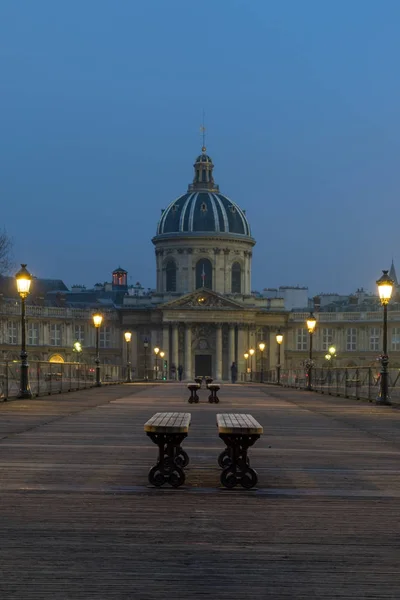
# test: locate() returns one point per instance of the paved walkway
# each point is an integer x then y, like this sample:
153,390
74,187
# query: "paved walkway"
78,519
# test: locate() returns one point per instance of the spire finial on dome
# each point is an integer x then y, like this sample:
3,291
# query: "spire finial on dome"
203,131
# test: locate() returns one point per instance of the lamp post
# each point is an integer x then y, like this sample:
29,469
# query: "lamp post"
162,354
251,352
23,279
311,323
246,357
97,321
279,340
128,337
156,351
385,287
261,346
145,346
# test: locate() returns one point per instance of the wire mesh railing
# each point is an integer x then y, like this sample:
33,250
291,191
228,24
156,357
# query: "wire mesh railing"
55,378
351,382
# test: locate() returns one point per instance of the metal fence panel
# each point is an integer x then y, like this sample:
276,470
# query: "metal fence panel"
47,378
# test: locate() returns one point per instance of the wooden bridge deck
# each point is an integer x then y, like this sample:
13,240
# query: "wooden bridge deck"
78,519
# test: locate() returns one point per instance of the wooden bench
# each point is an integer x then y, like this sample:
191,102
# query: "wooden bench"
238,432
214,388
168,430
193,387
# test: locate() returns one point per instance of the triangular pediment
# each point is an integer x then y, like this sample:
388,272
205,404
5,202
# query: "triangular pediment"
203,298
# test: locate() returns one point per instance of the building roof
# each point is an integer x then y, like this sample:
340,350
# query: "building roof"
203,211
392,273
39,287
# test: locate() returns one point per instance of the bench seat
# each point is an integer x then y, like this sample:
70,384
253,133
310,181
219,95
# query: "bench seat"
168,423
238,424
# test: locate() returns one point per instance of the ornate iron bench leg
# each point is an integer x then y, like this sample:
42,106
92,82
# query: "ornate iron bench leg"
193,396
171,460
235,462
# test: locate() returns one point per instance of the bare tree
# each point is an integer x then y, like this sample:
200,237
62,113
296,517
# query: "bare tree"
6,256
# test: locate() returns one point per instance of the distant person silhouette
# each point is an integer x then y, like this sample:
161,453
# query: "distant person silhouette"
180,371
234,372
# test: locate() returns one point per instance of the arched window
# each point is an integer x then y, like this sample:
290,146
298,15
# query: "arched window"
170,269
236,278
204,274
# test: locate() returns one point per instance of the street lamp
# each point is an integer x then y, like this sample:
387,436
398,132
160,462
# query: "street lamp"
24,278
78,350
128,337
97,321
251,352
156,351
385,287
246,357
279,340
145,346
162,354
261,346
311,323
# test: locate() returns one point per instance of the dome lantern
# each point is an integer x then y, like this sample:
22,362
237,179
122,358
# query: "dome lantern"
203,173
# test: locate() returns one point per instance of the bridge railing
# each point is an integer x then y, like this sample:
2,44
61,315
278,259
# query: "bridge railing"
351,382
55,378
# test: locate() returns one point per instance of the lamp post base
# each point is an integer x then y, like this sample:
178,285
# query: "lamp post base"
25,395
383,401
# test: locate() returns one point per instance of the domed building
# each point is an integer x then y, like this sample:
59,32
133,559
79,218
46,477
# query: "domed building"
203,239
203,315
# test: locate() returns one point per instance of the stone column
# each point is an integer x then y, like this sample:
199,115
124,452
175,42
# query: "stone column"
242,348
218,353
188,353
231,346
175,347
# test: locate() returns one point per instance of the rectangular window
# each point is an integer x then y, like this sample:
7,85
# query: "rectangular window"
374,338
33,334
80,334
396,338
55,334
12,332
105,337
351,339
302,339
327,338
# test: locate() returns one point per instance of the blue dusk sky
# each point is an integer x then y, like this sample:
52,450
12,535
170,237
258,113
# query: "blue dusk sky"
101,105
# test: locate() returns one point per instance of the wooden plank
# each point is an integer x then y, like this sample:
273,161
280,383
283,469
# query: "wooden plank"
168,423
238,423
